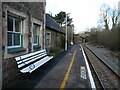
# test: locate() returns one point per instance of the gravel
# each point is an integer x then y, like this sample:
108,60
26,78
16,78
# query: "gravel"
109,80
105,54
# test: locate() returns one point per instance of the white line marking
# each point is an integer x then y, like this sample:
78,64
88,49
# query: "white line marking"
89,71
83,72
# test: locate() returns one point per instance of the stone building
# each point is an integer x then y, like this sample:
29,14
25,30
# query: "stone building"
22,32
0,45
76,38
54,34
70,33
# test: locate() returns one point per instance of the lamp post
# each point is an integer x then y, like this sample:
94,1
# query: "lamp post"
72,32
66,32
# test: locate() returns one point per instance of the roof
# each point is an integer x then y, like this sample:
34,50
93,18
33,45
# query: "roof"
51,23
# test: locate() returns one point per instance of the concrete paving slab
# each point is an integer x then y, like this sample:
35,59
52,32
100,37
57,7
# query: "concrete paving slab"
54,78
76,78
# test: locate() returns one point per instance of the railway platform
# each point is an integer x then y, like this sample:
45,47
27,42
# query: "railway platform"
70,69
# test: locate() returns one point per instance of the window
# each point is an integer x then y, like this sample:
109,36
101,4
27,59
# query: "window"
14,32
36,33
48,38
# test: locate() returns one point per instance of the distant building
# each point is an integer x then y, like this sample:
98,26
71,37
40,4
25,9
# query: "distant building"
54,34
85,36
22,32
76,38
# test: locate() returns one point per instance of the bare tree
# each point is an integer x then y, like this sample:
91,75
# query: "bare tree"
114,17
104,36
104,16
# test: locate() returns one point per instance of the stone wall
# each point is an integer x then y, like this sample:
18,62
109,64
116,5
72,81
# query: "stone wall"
32,12
36,9
10,70
0,45
70,33
56,39
76,38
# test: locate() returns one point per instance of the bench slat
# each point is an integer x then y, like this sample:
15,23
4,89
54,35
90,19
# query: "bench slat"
41,54
28,55
36,64
30,62
23,64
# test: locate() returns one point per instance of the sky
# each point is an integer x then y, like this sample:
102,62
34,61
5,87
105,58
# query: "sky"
85,13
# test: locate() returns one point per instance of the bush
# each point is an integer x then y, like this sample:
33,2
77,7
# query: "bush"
55,51
108,38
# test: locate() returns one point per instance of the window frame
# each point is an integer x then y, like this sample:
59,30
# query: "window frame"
38,35
15,32
48,37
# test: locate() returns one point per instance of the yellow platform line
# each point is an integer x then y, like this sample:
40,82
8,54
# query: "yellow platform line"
67,73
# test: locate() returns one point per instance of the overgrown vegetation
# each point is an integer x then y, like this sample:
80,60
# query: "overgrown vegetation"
103,35
55,51
107,38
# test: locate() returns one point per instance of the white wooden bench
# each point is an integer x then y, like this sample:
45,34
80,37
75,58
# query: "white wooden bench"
30,62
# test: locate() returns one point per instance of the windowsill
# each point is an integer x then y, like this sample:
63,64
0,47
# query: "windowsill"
15,50
36,47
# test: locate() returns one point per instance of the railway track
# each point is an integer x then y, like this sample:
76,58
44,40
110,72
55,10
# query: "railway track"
97,79
104,76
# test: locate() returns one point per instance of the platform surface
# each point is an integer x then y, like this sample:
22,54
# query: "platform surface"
67,70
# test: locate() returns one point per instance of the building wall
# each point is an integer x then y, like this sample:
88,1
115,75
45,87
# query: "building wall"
30,13
53,40
56,39
76,38
36,9
69,34
0,45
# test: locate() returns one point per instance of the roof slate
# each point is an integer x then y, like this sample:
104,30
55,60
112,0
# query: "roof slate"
51,23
